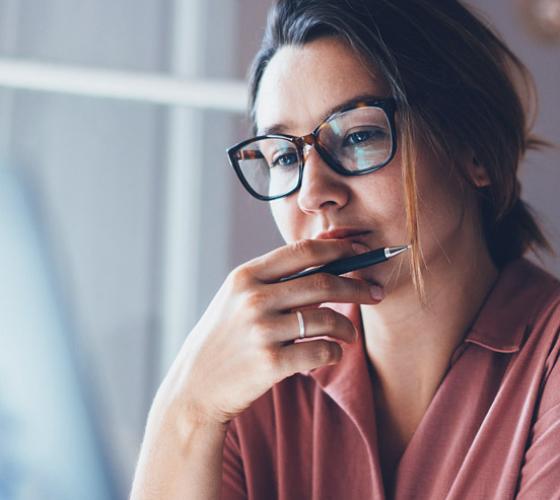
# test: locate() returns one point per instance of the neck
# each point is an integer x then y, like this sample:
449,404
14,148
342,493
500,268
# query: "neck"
410,346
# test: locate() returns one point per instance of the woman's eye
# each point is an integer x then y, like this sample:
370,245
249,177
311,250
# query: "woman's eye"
284,160
361,136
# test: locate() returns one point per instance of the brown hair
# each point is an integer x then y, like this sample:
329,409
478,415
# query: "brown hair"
459,89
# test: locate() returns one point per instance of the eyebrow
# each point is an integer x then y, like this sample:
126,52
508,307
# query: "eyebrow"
279,128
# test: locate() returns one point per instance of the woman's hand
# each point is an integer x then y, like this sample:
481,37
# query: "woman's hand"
243,343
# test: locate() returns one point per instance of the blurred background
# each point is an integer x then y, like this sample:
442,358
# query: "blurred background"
120,216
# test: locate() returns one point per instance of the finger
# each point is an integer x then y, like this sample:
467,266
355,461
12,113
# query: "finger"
317,322
320,288
298,256
304,356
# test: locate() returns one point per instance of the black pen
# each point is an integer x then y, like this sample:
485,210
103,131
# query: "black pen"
352,263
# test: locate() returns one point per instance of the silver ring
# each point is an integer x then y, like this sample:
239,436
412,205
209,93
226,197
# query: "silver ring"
301,324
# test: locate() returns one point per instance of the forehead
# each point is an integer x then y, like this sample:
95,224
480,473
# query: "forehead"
302,83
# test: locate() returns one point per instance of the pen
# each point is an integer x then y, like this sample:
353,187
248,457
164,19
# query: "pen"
352,263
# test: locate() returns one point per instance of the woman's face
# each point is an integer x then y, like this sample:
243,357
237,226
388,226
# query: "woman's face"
298,87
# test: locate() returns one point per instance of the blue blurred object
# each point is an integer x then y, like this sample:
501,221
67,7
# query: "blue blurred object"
49,447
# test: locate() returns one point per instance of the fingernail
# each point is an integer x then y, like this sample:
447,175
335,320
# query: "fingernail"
359,248
376,292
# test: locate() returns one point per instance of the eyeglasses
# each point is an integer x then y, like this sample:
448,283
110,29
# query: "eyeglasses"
356,140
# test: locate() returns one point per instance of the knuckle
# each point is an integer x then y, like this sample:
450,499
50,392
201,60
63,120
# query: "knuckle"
350,325
302,247
328,318
262,332
270,359
239,278
257,332
362,288
323,352
358,287
256,300
322,281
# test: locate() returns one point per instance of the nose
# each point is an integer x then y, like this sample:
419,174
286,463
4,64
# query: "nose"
321,187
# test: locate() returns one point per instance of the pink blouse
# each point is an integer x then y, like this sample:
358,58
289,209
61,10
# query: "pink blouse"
491,431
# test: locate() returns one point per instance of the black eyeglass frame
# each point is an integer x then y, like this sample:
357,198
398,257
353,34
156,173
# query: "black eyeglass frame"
388,105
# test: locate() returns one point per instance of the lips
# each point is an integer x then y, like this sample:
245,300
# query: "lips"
342,233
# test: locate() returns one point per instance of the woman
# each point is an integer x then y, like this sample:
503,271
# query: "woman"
432,375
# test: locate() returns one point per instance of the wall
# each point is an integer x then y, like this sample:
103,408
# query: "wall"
95,168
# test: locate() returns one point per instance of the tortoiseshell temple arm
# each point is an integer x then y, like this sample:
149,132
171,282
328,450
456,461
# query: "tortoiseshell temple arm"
249,154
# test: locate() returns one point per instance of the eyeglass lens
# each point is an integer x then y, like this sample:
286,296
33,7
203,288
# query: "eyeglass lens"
357,140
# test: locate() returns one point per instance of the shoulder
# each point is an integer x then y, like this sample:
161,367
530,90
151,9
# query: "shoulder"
533,292
543,329
530,274
543,295
521,310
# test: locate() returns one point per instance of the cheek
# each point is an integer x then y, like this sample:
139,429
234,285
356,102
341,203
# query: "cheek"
285,215
442,205
382,195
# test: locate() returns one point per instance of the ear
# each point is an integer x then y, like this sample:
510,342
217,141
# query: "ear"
478,173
